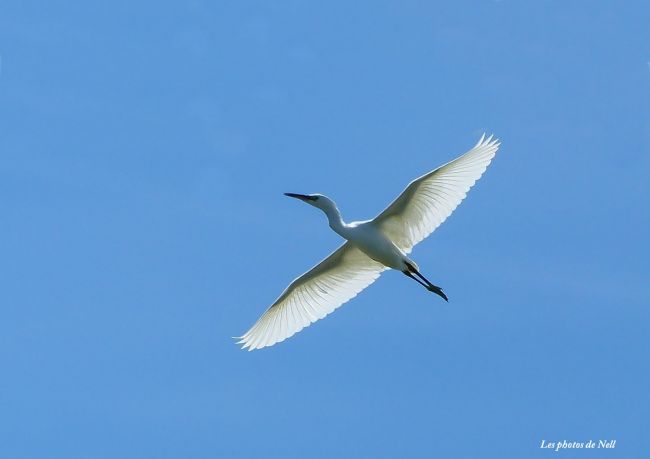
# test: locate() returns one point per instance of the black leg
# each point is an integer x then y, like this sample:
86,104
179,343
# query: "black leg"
432,288
416,279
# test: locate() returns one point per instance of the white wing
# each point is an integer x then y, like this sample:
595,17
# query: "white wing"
427,201
322,289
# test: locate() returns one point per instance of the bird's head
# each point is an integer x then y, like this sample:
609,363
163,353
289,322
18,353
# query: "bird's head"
317,200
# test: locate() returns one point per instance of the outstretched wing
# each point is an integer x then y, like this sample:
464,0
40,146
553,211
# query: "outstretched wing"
318,292
427,201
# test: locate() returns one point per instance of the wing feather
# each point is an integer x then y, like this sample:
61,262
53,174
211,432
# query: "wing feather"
428,200
318,292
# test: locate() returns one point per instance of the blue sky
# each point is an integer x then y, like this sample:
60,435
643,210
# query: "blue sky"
145,147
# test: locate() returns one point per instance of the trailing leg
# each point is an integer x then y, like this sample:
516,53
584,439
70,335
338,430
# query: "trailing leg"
432,288
408,273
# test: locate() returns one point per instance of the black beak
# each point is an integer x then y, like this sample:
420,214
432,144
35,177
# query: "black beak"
302,197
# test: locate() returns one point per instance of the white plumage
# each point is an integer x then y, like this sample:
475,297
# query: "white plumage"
371,247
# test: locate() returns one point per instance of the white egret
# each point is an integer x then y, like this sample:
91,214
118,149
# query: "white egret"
371,247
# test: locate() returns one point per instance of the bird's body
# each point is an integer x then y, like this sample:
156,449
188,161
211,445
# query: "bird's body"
373,242
371,247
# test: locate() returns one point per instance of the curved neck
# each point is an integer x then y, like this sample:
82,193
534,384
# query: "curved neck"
335,220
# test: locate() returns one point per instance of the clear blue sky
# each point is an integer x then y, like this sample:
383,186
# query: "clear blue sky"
144,150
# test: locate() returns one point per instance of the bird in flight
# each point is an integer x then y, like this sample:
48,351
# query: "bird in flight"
371,247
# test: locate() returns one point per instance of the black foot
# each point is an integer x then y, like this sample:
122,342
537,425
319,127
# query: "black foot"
438,291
